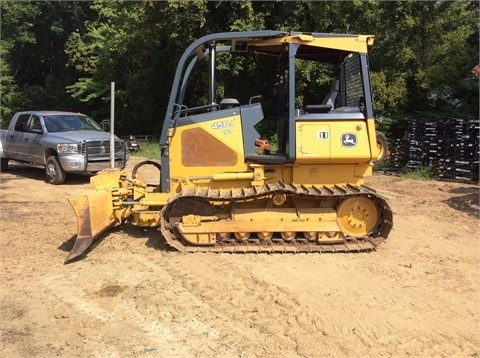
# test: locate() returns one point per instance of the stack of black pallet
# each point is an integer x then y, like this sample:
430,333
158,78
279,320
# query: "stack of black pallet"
399,155
449,145
446,143
467,150
419,136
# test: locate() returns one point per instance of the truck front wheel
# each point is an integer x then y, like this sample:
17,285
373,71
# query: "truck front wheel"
54,171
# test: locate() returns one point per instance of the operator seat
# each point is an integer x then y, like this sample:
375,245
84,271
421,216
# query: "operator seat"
328,102
229,103
331,97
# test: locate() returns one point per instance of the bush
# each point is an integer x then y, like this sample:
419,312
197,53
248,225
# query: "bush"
422,173
149,150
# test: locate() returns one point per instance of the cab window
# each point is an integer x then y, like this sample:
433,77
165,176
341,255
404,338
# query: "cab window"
35,124
22,121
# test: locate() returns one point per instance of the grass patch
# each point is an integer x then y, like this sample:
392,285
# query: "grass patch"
383,165
149,150
423,173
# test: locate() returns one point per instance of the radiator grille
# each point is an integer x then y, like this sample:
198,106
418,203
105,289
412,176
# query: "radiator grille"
98,148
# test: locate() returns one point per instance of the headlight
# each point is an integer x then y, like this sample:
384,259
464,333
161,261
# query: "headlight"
67,148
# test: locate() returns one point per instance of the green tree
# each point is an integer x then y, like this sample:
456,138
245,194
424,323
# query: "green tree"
136,45
33,57
15,29
423,53
63,55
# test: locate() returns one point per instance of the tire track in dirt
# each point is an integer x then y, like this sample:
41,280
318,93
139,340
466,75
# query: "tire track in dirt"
418,295
166,314
368,309
271,310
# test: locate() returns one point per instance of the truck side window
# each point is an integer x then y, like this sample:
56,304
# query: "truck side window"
21,124
35,123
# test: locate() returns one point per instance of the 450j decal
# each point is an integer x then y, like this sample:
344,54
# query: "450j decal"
222,124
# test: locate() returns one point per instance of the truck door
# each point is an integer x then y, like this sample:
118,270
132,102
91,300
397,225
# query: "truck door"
15,138
32,141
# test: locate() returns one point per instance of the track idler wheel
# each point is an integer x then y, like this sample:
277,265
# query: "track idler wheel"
223,236
242,236
265,235
288,235
357,216
310,236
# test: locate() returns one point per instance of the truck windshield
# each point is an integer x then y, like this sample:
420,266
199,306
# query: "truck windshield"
70,122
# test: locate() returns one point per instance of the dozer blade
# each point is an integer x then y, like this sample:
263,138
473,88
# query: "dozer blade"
94,213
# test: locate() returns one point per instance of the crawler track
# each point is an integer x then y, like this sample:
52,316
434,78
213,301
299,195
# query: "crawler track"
205,203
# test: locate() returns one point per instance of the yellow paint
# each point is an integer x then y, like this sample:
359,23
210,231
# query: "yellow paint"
320,142
230,135
358,43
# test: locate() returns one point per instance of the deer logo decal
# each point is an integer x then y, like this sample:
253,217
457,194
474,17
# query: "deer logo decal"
349,140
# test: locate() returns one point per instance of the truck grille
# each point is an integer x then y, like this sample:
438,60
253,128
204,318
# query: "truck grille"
98,148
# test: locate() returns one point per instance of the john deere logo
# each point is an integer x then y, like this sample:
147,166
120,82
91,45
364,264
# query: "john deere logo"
349,140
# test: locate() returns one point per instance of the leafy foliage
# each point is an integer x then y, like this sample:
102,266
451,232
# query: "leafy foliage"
33,71
149,150
423,173
63,55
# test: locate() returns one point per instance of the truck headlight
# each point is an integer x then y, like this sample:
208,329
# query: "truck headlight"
67,148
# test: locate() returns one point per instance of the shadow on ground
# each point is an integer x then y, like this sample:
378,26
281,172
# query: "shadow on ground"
467,200
154,239
19,170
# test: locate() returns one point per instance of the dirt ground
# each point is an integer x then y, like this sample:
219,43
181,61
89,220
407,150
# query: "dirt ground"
418,295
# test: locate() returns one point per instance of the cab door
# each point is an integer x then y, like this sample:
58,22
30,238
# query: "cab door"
15,139
32,141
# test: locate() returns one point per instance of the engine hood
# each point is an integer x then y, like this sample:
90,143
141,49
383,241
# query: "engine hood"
77,136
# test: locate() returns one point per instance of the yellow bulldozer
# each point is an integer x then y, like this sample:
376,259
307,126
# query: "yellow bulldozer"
218,190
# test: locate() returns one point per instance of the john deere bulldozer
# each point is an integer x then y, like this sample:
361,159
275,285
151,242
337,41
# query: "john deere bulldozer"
221,189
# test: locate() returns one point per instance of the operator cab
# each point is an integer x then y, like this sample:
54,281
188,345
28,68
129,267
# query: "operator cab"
340,66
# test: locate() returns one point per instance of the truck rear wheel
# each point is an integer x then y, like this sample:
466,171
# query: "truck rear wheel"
3,165
54,171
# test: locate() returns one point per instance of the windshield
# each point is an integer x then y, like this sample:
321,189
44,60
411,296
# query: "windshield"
70,122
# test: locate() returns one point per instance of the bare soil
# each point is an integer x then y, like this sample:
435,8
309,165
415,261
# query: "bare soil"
132,296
